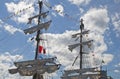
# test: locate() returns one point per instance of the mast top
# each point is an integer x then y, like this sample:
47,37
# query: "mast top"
81,25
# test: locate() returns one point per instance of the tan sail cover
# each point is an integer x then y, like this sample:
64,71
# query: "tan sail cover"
30,71
85,76
71,47
38,27
84,32
38,69
85,43
79,70
42,15
86,73
34,62
13,71
74,77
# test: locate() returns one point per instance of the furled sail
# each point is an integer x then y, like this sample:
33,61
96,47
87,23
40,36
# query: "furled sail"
84,32
42,15
29,71
85,76
38,27
86,73
34,62
74,77
71,47
79,70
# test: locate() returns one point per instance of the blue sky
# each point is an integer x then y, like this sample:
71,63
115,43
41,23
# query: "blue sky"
102,17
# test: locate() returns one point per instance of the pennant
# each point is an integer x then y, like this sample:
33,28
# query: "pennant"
44,51
40,49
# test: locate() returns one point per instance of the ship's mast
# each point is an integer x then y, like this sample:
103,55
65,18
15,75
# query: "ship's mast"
81,54
38,32
38,76
81,28
81,70
38,66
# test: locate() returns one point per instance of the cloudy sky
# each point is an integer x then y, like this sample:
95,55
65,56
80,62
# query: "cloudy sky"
101,17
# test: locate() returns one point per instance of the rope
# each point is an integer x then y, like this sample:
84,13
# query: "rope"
16,13
63,13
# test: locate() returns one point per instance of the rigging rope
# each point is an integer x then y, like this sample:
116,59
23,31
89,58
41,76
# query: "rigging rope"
58,11
16,13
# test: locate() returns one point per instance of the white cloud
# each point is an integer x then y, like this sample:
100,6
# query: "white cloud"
79,2
1,22
58,46
59,9
118,65
107,58
96,20
6,62
81,10
11,29
116,23
15,8
116,71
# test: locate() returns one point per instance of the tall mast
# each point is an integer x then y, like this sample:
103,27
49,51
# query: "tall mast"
38,32
38,66
78,72
38,76
81,28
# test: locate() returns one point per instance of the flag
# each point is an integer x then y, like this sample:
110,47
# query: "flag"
40,49
44,51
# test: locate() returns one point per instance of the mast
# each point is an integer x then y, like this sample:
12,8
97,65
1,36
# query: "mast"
78,73
83,72
81,28
38,32
38,76
37,67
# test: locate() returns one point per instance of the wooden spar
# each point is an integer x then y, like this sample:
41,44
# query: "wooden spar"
38,27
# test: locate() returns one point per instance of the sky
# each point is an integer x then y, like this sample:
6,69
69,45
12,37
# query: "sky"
101,17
